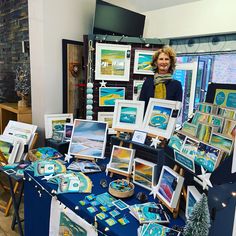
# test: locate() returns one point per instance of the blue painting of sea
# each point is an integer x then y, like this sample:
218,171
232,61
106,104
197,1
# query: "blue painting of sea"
128,115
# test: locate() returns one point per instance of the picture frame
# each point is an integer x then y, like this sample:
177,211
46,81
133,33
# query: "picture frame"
185,161
189,128
193,196
139,136
221,141
56,122
160,117
107,117
190,147
142,62
200,117
112,62
229,128
128,114
73,70
208,156
137,87
108,95
88,139
121,159
217,121
225,97
207,107
169,186
177,140
144,173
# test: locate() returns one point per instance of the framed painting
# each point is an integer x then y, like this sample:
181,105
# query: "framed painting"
169,186
144,173
185,161
107,117
160,117
190,147
88,139
73,71
208,156
142,62
216,121
56,122
108,95
193,196
112,62
222,142
189,128
137,86
177,140
229,128
200,117
121,159
128,114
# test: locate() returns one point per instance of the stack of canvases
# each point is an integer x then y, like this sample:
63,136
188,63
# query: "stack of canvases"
15,140
207,139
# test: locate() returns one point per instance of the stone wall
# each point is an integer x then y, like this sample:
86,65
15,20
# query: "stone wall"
13,30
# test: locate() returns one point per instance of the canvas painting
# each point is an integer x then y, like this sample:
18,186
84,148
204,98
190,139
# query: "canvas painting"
112,62
204,131
177,141
144,173
169,186
190,147
88,138
128,114
107,117
184,160
216,121
189,128
160,117
222,142
229,128
137,86
200,117
142,62
108,95
207,156
121,159
193,196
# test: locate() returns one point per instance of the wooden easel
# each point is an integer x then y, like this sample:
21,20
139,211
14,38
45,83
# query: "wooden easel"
175,211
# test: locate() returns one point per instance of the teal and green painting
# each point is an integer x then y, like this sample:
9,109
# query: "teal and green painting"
221,142
160,117
200,117
176,141
5,148
190,147
189,128
204,132
144,62
207,156
154,229
113,62
58,125
216,121
108,96
207,108
128,115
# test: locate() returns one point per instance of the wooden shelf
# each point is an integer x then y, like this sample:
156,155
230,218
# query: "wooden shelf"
11,111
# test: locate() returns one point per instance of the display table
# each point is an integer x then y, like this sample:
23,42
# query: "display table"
37,206
10,111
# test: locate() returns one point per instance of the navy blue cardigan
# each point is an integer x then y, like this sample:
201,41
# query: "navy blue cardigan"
173,90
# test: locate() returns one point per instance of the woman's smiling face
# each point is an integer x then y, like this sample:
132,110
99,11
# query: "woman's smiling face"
163,63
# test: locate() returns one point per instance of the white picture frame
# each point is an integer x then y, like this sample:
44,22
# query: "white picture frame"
88,139
128,114
50,119
121,159
144,173
139,136
112,62
171,181
107,117
193,196
137,86
142,62
161,116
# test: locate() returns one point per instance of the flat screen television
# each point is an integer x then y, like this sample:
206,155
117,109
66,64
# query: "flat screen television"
111,19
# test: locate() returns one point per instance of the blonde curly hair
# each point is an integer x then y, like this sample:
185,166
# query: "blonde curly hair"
168,51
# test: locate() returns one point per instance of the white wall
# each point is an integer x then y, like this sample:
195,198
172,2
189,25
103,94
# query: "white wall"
50,21
203,17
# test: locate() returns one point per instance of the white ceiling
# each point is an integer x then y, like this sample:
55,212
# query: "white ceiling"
148,5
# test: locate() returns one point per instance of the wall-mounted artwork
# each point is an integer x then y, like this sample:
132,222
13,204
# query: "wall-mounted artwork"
225,97
112,62
193,196
107,117
190,147
142,62
88,139
207,156
169,186
160,117
189,128
72,77
216,121
177,141
226,112
184,160
229,128
222,142
200,117
137,86
128,114
56,122
144,173
108,95
121,159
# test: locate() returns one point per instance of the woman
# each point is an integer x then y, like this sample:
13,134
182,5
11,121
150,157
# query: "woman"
162,86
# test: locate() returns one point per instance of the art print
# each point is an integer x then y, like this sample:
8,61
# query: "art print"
68,131
226,113
154,229
184,160
225,97
88,138
137,87
112,62
189,128
108,118
108,95
229,128
190,147
177,141
204,131
207,156
142,62
207,107
216,121
200,117
139,136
